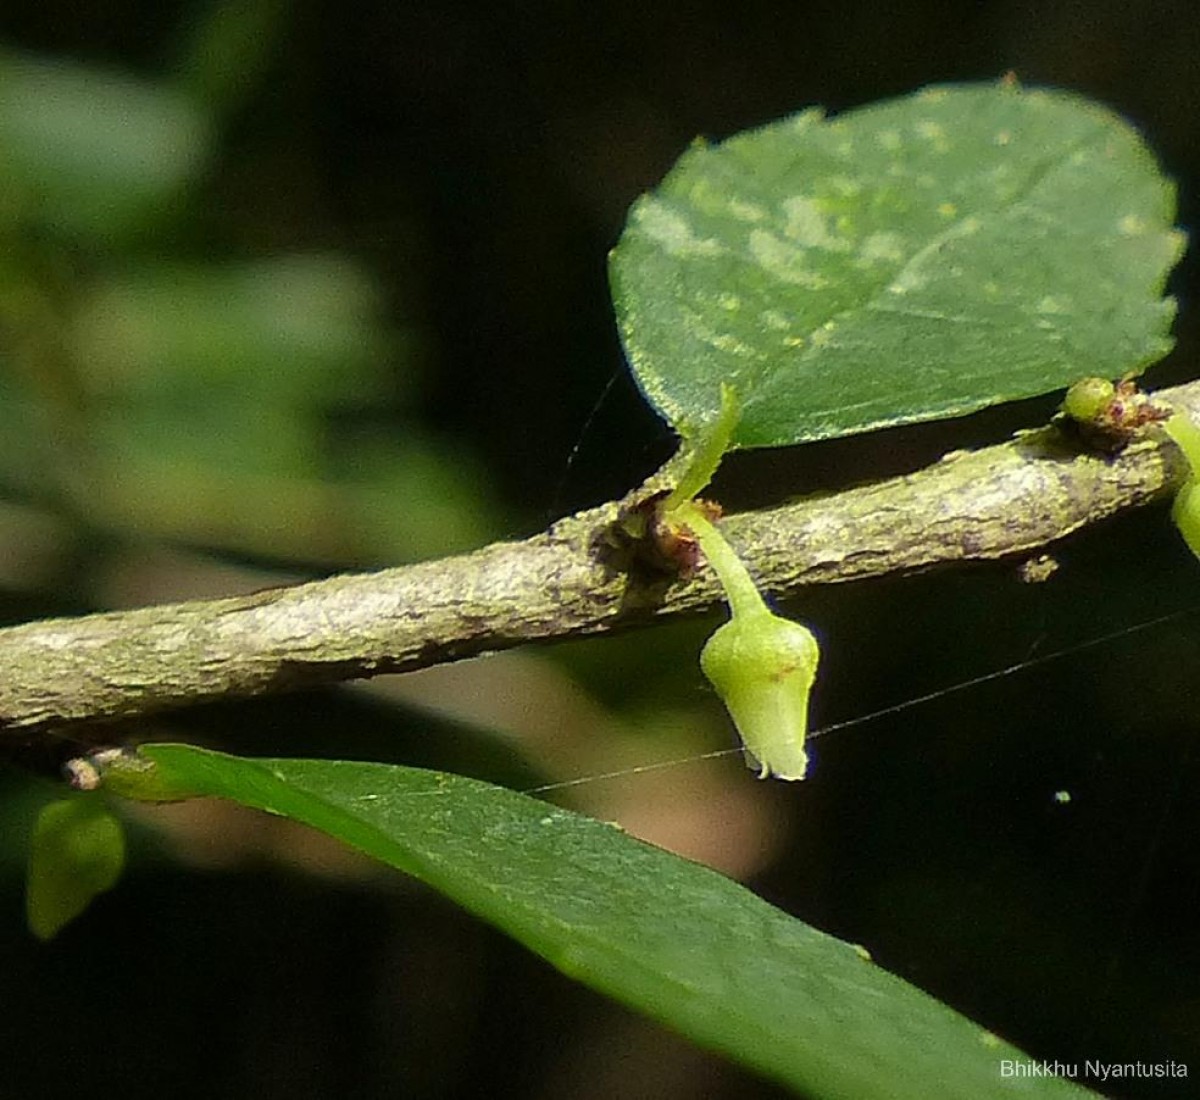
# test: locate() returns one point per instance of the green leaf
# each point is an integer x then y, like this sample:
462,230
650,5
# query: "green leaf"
920,258
666,936
77,852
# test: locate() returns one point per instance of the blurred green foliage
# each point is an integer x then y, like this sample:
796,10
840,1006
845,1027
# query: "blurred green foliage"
158,383
77,852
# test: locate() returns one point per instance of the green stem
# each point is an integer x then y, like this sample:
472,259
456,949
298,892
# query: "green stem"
740,590
707,447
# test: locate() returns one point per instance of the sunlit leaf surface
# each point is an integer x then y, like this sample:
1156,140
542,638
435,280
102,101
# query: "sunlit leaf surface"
921,258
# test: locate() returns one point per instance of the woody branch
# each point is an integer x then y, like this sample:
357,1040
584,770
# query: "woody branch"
1000,502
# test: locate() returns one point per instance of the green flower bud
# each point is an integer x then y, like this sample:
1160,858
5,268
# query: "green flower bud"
1088,398
1186,510
763,667
1186,514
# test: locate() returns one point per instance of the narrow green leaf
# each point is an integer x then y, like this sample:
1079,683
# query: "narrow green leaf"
668,937
915,259
77,852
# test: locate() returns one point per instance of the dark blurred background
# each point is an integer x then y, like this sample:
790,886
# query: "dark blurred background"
287,288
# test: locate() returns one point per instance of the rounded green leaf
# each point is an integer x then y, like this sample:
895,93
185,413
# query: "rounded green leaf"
920,258
77,852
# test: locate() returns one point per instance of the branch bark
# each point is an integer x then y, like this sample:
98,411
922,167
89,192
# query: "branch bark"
1003,501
